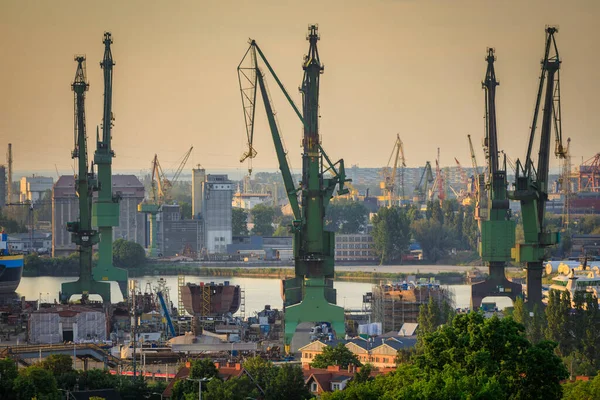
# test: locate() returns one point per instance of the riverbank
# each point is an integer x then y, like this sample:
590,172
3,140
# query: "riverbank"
343,273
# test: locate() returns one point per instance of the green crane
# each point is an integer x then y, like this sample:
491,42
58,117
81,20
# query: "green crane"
82,233
497,228
309,296
531,184
105,211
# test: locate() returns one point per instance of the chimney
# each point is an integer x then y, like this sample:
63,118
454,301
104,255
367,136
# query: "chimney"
188,364
334,368
238,366
306,367
217,365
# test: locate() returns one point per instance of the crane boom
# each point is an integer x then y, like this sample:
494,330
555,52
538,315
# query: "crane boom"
309,296
389,177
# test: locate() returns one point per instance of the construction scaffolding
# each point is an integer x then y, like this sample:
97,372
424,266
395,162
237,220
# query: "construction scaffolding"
393,304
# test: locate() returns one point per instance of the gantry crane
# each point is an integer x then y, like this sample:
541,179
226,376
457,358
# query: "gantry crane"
531,183
160,189
389,174
309,296
105,211
82,233
497,230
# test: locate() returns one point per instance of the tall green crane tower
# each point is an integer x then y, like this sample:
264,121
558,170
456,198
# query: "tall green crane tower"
105,211
309,296
82,233
497,228
531,184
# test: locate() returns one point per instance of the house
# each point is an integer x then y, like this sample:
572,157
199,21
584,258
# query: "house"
327,380
380,351
333,378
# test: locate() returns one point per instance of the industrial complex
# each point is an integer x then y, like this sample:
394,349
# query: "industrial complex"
191,218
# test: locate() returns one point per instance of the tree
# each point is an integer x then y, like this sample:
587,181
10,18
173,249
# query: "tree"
58,364
494,350
264,217
97,379
557,314
239,222
362,375
128,254
391,234
36,382
185,209
338,355
431,316
582,390
434,238
287,383
346,217
204,368
8,374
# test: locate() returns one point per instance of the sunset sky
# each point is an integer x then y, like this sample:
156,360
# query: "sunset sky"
412,67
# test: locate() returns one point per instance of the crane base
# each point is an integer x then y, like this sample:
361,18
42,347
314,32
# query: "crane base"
85,288
314,308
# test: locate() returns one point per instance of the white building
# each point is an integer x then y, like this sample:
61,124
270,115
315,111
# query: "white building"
32,188
247,201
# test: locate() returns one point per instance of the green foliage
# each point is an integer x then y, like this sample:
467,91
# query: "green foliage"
363,375
264,217
204,369
391,233
34,265
431,316
57,364
8,374
435,239
128,254
582,390
186,210
239,221
346,216
97,379
36,382
10,225
285,382
557,314
338,355
470,358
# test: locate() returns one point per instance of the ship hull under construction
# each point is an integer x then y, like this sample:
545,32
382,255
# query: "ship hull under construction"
210,299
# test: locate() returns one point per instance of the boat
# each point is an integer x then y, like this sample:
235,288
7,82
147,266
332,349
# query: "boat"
211,299
577,280
11,267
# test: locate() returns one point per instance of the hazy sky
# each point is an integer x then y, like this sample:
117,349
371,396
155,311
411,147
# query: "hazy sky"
412,67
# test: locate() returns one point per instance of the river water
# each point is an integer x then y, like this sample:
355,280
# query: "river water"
258,291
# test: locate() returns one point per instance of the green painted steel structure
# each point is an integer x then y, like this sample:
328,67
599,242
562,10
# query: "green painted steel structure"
82,233
531,184
497,228
105,211
309,296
